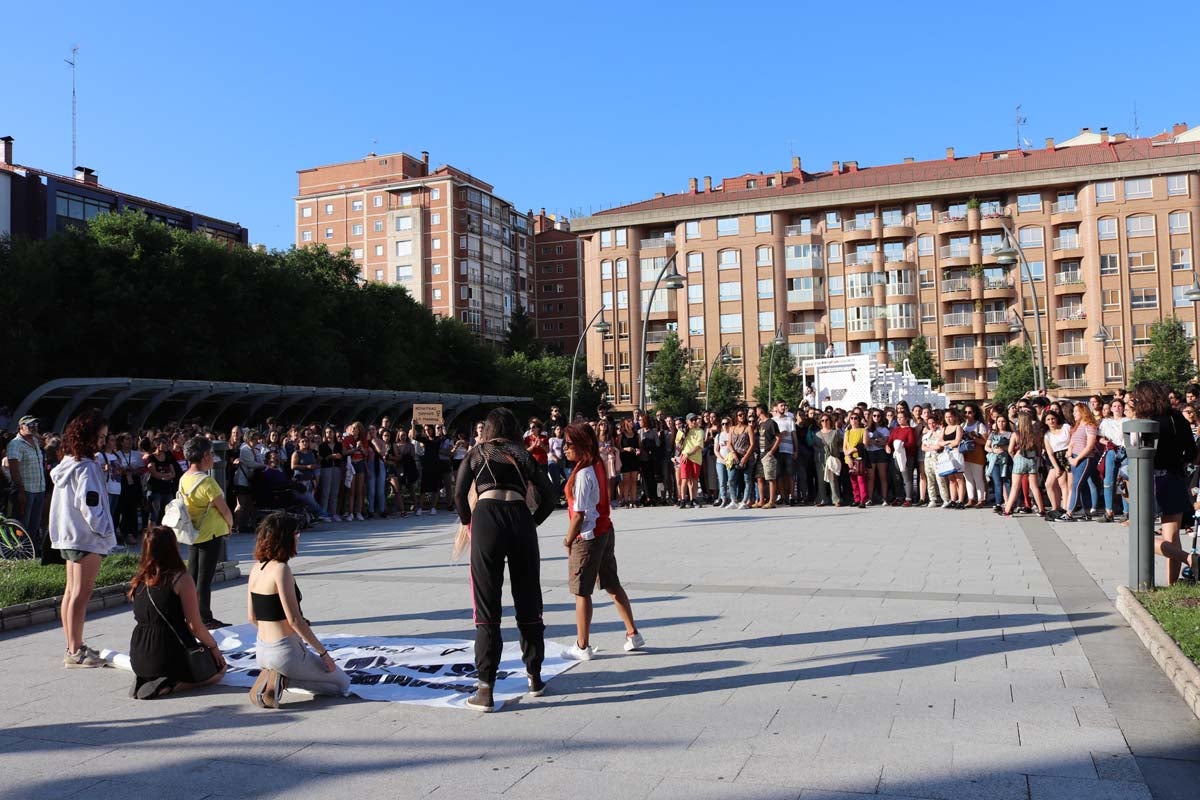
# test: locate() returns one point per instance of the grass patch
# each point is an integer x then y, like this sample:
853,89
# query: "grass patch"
1177,609
26,581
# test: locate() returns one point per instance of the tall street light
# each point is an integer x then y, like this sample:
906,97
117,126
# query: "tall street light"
1103,335
724,357
1007,256
778,341
602,328
672,280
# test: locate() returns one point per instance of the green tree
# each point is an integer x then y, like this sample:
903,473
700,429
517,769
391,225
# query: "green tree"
780,381
920,361
1169,358
670,383
724,389
522,335
1015,375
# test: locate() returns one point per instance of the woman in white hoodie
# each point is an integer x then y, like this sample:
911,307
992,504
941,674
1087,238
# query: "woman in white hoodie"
81,527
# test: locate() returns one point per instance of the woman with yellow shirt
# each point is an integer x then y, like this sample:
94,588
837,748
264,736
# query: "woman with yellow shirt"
211,515
854,448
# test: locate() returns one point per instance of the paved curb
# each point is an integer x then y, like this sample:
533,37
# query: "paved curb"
1179,669
40,612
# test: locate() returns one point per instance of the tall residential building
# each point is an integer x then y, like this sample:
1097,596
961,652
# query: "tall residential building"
863,259
558,283
441,233
35,203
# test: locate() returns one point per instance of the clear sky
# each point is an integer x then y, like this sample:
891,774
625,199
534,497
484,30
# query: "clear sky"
571,106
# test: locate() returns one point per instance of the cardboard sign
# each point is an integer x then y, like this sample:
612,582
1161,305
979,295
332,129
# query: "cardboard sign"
427,413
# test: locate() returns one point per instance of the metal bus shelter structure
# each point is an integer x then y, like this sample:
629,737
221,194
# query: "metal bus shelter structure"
137,401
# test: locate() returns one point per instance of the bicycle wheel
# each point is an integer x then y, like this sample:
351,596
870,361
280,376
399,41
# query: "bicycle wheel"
15,543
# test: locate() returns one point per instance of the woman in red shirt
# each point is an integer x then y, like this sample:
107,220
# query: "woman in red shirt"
354,449
904,435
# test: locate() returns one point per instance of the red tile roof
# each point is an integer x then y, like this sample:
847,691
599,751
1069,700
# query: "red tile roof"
981,165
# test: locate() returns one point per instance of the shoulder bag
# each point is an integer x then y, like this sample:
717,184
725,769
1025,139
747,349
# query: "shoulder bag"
200,663
177,518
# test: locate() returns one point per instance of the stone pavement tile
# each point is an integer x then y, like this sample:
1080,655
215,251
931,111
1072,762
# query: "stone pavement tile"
1080,680
1116,766
978,711
37,755
551,781
673,788
50,784
1040,734
1088,698
1093,717
789,744
1048,788
846,773
980,673
165,764
925,729
972,758
123,790
830,794
706,762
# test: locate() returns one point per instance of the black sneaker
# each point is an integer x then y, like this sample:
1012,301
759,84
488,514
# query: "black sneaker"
536,685
481,700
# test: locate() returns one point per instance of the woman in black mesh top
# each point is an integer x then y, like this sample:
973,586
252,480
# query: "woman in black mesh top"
501,472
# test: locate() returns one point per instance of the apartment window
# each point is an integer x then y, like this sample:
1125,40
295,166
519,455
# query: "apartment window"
835,252
403,223
379,250
730,290
924,245
437,293
404,273
1114,336
1111,298
763,256
1179,222
928,312
404,248
1145,261
762,223
606,270
893,251
377,201
660,302
306,212
329,233
306,236
1114,371
1106,192
1110,264
727,226
605,239
695,262
859,286
622,299
691,230
805,225
925,277
1138,188
622,268
837,285
900,315
437,269
837,318
924,212
622,234
862,219
766,320
436,243
328,208
957,210
356,205
435,219
1029,202
1141,333
377,226
696,325
1106,228
893,217
695,293
1140,225
558,249
1030,236
766,288
839,349
1037,269
651,267
1177,184
1143,298
1178,296
833,219
406,198
731,323
729,258
356,229
1181,258
435,194
606,299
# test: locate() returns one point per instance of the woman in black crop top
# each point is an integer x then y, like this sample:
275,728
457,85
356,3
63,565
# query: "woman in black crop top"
501,471
273,604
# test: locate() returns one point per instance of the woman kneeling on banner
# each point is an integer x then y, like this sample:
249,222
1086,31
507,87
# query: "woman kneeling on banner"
502,473
274,606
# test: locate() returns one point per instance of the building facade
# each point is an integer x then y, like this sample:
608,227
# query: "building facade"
35,204
862,260
558,283
441,233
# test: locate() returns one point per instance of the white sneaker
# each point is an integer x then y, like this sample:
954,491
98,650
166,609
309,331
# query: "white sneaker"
359,518
577,653
432,511
634,642
742,505
931,504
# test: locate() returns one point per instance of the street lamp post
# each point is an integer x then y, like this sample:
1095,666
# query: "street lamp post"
1007,256
778,341
602,327
724,357
673,281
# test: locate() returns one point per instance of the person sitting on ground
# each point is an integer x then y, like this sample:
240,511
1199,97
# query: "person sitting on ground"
273,486
273,605
591,542
167,612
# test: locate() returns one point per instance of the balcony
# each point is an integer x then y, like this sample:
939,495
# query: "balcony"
804,263
1064,211
858,259
802,329
956,285
797,230
658,337
995,317
1070,277
990,284
661,243
958,353
993,217
900,289
1073,347
1071,314
951,223
898,228
962,387
1071,383
856,231
1064,244
959,254
808,298
860,325
959,319
994,351
993,385
987,253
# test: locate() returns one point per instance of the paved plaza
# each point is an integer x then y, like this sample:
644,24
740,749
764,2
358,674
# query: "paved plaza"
797,653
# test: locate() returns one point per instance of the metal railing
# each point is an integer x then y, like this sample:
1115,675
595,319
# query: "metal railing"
958,319
906,221
856,225
997,283
995,317
954,251
653,337
1068,277
952,216
802,328
962,387
805,295
1070,313
860,325
857,259
956,285
795,230
1066,242
1063,207
994,350
996,212
1072,383
959,353
1073,347
662,241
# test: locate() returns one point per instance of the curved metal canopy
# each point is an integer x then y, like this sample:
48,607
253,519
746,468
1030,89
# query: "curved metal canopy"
140,400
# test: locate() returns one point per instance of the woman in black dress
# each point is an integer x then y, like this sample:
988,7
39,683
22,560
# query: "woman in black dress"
629,447
167,613
503,529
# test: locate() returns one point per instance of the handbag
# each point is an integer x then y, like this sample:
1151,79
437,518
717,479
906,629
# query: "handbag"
176,516
858,466
200,663
946,465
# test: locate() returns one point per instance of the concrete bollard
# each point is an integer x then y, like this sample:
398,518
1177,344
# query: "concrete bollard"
1141,442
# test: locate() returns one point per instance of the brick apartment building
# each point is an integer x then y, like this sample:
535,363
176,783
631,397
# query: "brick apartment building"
558,282
35,203
864,259
441,233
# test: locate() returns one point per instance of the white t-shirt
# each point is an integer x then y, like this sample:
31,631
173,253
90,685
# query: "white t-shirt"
112,462
586,499
723,449
130,462
787,426
1110,428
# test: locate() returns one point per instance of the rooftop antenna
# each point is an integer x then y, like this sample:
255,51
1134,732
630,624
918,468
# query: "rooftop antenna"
1021,120
74,108
1136,127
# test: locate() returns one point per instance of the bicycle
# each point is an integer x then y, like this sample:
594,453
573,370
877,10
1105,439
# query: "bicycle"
15,542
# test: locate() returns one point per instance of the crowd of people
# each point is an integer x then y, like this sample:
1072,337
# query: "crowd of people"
88,488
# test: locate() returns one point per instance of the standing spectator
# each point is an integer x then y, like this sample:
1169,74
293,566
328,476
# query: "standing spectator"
305,471
767,471
936,488
111,466
827,453
787,454
210,514
999,461
81,528
408,473
854,452
973,448
649,443
353,450
627,444
431,480
741,441
1113,443
691,456
27,469
902,445
724,458
164,478
1082,457
555,458
130,469
330,454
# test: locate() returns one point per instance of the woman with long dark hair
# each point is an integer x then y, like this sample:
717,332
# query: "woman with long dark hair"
81,528
1058,440
503,528
591,542
1023,449
167,612
1082,457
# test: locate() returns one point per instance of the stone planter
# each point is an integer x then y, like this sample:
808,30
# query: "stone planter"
1179,669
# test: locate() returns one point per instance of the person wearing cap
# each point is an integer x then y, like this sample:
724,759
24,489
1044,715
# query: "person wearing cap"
27,463
691,456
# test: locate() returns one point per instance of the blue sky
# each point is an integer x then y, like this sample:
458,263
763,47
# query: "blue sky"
571,106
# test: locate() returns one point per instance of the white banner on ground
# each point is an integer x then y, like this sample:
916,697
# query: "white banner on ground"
428,672
842,382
